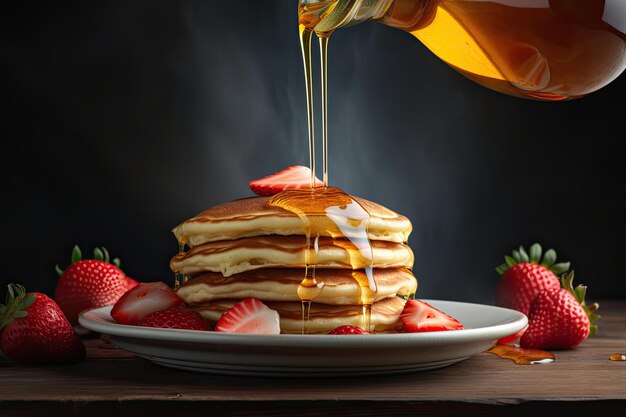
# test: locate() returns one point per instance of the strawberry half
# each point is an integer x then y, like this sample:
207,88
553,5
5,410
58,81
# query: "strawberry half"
348,330
175,318
559,318
526,275
33,330
419,316
142,300
90,283
295,176
249,316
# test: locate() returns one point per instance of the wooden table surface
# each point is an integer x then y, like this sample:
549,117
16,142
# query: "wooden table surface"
581,381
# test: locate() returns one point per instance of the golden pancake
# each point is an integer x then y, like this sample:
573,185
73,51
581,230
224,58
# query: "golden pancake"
249,217
385,315
339,287
234,256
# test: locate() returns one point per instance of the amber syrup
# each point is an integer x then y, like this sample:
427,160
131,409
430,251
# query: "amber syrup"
617,357
328,211
522,356
309,288
179,278
549,50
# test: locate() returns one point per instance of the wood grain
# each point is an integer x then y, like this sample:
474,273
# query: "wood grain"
581,380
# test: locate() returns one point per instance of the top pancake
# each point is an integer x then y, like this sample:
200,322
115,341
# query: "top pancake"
252,216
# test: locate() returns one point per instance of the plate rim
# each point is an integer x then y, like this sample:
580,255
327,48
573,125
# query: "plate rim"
94,320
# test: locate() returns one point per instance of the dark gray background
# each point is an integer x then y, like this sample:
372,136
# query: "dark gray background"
123,118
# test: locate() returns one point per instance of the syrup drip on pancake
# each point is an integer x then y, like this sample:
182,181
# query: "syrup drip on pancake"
179,278
342,217
331,212
309,288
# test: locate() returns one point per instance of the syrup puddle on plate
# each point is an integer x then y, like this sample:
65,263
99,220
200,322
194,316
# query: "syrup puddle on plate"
522,356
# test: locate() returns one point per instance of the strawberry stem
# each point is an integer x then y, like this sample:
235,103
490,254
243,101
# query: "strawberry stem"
567,281
16,304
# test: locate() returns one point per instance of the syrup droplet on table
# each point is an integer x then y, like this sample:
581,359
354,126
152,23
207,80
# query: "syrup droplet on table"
617,357
522,356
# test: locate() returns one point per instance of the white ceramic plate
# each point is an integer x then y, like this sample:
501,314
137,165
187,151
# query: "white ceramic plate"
314,355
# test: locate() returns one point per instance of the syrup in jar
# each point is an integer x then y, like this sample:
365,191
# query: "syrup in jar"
541,49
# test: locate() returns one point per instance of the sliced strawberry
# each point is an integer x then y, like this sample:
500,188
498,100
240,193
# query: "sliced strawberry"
295,176
249,316
348,330
142,300
419,316
175,318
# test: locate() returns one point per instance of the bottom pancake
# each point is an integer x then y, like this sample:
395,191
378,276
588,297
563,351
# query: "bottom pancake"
385,316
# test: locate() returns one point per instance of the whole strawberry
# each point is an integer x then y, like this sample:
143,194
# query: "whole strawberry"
559,318
33,330
175,318
524,275
90,283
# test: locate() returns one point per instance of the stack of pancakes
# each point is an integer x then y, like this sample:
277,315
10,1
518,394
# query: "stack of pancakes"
246,248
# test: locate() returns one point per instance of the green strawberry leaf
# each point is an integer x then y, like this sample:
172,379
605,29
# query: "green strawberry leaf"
15,299
20,314
27,301
97,254
535,253
517,256
76,254
579,293
549,258
523,255
560,268
510,261
501,269
106,254
58,269
116,262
